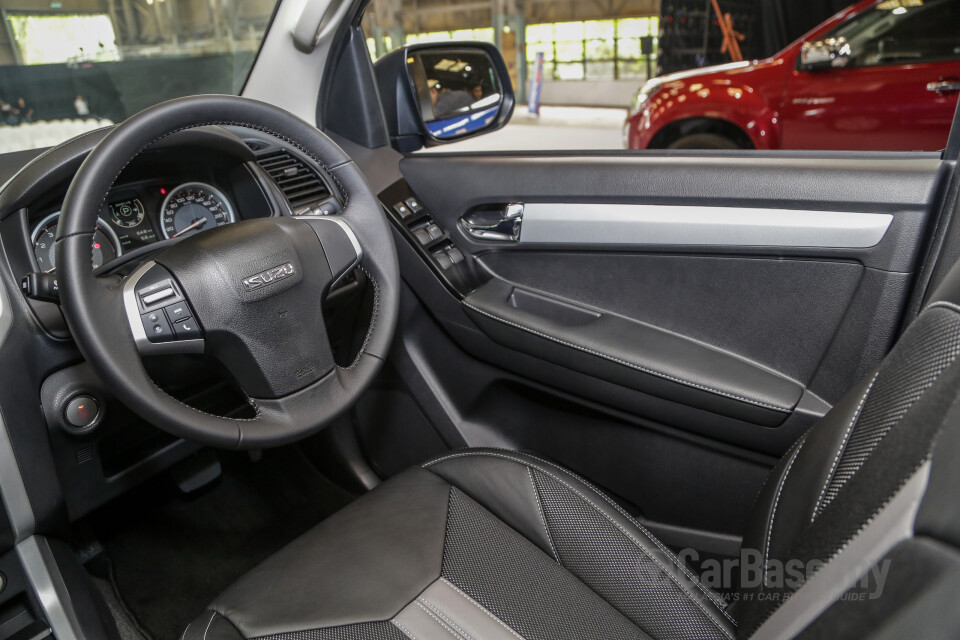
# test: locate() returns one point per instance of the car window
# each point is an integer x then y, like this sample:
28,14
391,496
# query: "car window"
902,33
704,74
64,71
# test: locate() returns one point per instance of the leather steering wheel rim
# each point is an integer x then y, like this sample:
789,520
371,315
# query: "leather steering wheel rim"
103,330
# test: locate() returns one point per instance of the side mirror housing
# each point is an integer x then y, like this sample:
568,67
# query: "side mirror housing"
437,93
824,54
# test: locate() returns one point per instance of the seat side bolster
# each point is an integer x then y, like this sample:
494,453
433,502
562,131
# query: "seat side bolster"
492,478
503,486
788,500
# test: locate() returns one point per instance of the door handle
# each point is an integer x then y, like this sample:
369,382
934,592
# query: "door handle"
494,225
944,85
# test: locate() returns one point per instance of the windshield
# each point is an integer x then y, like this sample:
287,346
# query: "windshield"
73,66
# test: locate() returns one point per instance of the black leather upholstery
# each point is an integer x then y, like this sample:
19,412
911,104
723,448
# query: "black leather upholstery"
543,554
540,549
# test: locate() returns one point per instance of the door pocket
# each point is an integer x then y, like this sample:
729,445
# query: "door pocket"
632,354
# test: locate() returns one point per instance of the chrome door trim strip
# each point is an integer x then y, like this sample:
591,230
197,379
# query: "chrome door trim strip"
580,224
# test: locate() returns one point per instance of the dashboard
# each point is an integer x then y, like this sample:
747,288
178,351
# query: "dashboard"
197,181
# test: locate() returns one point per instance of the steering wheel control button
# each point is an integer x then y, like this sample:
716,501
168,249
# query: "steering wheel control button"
81,412
326,208
186,329
156,327
151,298
177,312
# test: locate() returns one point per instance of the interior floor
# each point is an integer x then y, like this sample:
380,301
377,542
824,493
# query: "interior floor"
169,554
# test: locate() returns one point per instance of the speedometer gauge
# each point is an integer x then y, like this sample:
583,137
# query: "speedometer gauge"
194,207
106,246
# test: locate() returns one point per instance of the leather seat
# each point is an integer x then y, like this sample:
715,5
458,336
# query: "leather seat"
485,543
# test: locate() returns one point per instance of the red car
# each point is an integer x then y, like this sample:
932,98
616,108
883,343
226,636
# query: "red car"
880,75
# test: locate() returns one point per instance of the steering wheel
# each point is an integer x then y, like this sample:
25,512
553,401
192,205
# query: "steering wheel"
248,294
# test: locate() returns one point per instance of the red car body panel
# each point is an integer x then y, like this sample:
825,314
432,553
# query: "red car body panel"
778,107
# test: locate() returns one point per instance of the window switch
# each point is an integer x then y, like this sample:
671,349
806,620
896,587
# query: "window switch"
423,236
402,210
456,256
414,205
434,231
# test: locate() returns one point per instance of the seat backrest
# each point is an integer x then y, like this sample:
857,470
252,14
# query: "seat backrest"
842,472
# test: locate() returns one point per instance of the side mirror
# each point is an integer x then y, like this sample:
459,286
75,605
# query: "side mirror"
438,93
824,54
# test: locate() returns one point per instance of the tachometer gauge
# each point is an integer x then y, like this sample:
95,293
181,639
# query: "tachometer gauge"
194,207
127,213
106,246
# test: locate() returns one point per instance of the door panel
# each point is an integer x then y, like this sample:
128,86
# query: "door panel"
703,335
724,301
880,108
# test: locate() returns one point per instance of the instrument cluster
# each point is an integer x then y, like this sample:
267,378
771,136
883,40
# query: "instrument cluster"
139,215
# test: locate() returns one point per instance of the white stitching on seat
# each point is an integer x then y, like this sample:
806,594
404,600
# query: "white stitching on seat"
945,305
776,502
616,524
626,363
543,518
482,608
213,615
720,604
843,445
437,611
453,632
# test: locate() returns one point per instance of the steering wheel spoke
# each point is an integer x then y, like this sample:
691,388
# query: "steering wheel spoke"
339,242
161,318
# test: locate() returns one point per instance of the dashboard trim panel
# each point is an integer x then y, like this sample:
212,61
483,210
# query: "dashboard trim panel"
13,492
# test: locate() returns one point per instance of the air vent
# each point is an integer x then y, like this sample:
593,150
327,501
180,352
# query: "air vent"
296,180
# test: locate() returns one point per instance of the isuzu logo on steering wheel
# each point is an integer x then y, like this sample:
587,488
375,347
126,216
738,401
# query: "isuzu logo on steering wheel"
269,276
